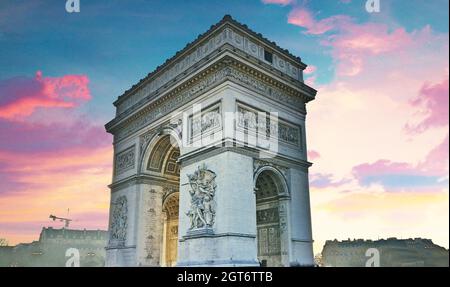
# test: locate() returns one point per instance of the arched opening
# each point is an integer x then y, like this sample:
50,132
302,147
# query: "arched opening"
268,189
163,165
170,235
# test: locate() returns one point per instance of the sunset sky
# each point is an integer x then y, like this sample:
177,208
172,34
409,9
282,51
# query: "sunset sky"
377,132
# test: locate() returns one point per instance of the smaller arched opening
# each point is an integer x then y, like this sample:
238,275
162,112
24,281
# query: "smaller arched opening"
157,149
269,188
170,229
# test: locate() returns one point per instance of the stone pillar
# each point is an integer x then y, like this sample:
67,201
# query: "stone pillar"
301,241
121,249
150,222
162,257
232,239
285,236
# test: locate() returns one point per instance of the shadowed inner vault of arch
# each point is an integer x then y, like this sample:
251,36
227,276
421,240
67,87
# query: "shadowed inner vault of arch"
163,164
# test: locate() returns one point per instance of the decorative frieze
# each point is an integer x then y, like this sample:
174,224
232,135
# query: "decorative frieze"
289,133
173,103
125,160
272,92
205,122
266,216
265,125
211,79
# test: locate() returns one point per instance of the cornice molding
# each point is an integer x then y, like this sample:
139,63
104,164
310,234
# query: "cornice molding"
226,69
140,179
226,146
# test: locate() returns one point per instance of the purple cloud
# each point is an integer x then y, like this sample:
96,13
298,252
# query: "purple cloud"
319,180
433,103
430,174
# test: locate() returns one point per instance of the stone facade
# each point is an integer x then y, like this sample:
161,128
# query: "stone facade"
195,139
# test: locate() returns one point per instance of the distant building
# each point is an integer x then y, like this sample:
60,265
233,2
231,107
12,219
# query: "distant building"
393,252
50,250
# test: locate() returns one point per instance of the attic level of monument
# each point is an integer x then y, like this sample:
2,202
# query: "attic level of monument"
227,21
226,37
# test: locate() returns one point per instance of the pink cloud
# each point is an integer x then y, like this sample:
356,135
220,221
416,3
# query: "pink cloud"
434,104
310,75
312,155
302,17
278,2
318,180
354,44
33,186
359,117
401,175
49,160
51,132
385,167
310,70
351,43
311,81
437,160
22,96
435,164
62,145
36,137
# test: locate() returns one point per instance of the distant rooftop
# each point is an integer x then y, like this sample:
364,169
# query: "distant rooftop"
390,240
50,232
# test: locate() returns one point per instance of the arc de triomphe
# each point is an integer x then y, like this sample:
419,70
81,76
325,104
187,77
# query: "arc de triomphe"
210,159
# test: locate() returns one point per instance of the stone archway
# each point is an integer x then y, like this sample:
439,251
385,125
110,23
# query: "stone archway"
269,212
164,171
170,229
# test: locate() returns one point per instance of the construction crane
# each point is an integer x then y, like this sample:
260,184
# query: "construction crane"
62,219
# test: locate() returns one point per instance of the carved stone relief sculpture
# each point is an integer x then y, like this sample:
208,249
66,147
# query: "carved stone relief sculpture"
118,230
125,160
208,122
259,123
202,191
